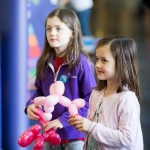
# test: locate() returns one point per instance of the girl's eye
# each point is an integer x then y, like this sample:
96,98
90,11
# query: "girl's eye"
48,29
58,28
96,59
104,60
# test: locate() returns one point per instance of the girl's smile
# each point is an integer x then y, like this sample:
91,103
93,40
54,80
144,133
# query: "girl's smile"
99,72
53,40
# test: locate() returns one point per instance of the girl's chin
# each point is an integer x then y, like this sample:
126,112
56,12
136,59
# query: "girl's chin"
100,78
53,46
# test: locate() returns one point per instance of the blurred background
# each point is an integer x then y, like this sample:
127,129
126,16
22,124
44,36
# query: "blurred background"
21,43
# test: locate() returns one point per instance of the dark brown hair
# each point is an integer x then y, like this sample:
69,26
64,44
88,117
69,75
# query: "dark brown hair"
74,48
124,51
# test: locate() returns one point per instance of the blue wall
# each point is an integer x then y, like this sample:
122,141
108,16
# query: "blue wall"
14,66
13,33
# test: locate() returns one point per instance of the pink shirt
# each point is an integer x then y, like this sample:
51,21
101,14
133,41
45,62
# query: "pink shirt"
119,125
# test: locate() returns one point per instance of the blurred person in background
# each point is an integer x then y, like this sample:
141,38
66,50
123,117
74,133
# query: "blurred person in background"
146,9
83,9
144,12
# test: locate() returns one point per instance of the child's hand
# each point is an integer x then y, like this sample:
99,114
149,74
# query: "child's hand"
80,123
53,125
32,111
71,118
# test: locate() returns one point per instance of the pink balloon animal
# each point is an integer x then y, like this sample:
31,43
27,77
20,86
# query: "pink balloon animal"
33,133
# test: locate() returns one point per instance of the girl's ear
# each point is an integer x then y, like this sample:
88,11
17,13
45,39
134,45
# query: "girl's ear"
72,36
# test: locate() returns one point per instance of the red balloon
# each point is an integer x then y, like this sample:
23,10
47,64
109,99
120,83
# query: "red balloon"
50,131
47,133
26,138
39,143
54,139
35,129
40,114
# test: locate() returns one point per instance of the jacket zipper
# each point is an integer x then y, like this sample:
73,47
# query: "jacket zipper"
55,74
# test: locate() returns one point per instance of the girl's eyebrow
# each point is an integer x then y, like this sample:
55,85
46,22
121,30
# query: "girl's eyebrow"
100,57
54,25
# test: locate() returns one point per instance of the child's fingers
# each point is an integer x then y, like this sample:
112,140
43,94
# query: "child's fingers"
75,122
33,116
46,127
58,126
70,120
35,110
46,124
72,116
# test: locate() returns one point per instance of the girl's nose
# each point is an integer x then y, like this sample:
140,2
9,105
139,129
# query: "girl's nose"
98,64
52,33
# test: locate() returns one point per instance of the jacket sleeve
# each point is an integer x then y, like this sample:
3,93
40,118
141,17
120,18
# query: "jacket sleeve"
38,92
86,82
128,124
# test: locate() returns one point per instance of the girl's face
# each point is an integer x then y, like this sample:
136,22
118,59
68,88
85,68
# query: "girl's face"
58,34
105,64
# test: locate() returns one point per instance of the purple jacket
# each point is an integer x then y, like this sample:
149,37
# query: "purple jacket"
78,84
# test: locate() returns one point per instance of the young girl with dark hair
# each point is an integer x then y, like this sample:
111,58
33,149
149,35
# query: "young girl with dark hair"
114,113
64,59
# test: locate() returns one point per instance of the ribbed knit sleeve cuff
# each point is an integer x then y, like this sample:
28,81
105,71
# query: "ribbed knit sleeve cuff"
92,127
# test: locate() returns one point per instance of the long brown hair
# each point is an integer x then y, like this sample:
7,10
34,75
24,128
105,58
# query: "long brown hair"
124,51
74,48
